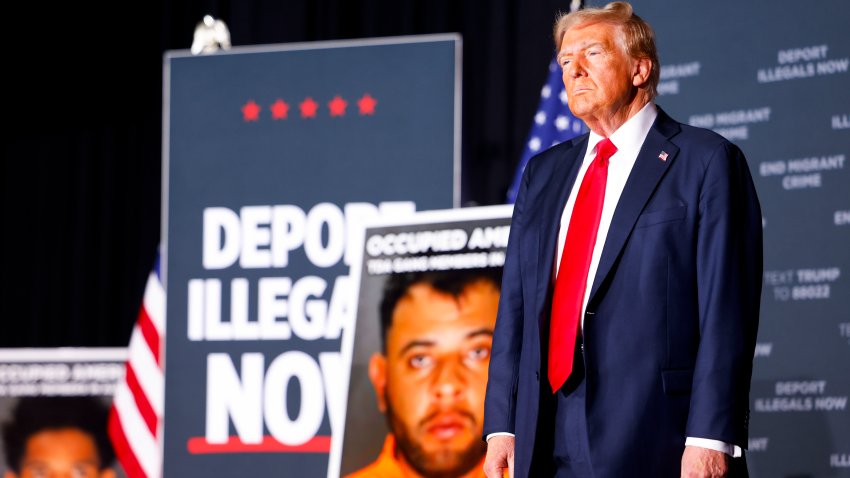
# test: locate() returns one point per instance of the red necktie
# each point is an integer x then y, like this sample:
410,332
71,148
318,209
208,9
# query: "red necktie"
571,283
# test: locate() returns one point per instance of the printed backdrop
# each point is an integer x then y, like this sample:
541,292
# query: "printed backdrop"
773,77
275,156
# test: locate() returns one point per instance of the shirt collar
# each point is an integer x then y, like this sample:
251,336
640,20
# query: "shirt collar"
631,134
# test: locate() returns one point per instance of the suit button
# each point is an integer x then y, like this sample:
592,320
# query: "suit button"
537,375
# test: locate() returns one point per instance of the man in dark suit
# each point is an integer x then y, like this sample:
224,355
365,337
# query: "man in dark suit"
629,309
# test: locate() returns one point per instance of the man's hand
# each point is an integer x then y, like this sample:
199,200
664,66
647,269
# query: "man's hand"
500,455
698,462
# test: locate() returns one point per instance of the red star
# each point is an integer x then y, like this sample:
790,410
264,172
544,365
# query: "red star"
308,108
279,109
367,105
251,111
337,106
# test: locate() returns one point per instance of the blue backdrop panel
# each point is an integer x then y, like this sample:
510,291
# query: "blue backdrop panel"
266,152
773,77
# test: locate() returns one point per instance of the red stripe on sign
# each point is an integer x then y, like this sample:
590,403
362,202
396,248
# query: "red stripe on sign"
122,447
199,445
150,334
141,399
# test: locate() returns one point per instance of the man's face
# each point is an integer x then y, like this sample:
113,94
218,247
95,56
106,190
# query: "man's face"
432,381
61,453
598,75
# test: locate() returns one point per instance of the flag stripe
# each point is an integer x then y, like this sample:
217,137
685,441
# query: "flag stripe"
142,443
150,334
136,415
154,303
142,403
123,451
147,371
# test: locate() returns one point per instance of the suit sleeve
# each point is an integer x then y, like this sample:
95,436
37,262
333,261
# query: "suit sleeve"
500,402
729,272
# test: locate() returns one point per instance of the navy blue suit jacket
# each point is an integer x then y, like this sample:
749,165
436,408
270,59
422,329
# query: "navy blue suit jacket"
671,322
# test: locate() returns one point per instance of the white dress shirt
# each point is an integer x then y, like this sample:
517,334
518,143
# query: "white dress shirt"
628,139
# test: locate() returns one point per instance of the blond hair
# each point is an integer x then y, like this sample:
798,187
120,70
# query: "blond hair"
636,36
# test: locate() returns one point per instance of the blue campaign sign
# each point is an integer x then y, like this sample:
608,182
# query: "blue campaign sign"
273,158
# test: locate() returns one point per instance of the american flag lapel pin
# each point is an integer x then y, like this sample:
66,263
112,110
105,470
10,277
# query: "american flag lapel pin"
663,156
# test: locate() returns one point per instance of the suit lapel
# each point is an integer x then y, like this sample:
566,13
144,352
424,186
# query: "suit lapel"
648,170
557,190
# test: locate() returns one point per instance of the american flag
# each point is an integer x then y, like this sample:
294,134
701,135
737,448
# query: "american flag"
136,415
553,124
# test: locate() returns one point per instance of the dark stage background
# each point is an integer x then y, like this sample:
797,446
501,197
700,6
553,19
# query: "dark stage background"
81,157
